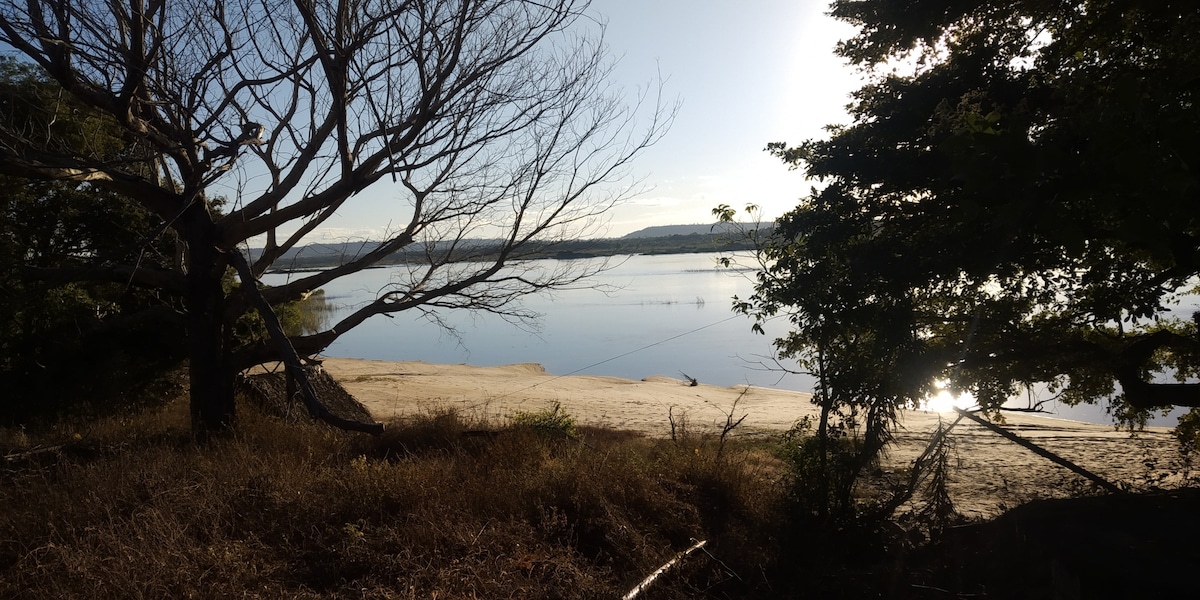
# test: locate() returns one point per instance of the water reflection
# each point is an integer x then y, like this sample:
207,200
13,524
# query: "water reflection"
651,315
312,314
654,315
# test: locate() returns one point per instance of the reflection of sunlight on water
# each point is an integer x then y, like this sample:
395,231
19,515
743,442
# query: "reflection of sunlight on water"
946,401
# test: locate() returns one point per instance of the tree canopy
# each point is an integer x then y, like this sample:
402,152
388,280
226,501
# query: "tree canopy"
112,337
256,121
1013,204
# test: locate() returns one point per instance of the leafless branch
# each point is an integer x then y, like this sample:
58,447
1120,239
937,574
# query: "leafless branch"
261,121
291,359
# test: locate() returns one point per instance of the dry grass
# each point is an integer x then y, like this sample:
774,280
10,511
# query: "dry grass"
438,507
445,506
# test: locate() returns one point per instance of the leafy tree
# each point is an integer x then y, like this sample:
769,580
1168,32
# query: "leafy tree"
110,336
1013,203
853,347
479,119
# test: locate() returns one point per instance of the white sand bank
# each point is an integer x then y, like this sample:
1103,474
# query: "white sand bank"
990,473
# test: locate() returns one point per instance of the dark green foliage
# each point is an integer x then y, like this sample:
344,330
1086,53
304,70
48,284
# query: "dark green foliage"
70,340
854,348
1013,203
821,479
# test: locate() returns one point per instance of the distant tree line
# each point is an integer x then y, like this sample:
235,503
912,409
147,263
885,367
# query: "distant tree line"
334,254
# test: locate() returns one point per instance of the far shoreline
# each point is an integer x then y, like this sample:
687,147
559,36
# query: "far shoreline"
698,239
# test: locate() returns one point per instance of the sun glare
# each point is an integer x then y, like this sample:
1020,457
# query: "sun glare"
946,401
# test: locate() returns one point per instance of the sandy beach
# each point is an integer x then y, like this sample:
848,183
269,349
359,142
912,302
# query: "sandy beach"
989,473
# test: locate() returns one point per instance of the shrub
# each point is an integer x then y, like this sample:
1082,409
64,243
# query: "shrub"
304,511
820,480
551,421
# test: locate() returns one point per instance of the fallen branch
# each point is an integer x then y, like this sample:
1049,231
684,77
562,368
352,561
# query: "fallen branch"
33,452
639,588
692,381
917,473
1040,451
290,359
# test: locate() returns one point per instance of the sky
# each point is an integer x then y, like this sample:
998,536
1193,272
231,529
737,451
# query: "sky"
745,73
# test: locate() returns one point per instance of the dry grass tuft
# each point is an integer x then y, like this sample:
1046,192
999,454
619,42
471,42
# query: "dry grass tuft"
440,506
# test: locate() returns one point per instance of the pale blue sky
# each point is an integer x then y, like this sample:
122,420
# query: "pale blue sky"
746,73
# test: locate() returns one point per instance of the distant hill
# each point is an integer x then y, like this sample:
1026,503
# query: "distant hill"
327,253
330,252
664,239
701,229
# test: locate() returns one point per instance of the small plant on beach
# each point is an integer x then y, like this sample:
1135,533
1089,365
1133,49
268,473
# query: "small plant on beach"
679,424
554,421
732,421
821,480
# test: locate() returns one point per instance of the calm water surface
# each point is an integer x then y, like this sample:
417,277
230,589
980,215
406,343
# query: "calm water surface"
658,315
661,315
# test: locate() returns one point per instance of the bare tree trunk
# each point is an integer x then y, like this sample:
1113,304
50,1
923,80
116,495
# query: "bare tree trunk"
296,375
470,113
823,435
210,375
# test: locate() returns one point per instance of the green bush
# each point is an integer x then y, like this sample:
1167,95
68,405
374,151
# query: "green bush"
820,481
553,421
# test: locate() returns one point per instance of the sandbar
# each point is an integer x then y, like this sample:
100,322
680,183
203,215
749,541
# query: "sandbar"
988,474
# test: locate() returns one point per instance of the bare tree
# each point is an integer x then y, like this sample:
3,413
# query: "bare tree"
467,119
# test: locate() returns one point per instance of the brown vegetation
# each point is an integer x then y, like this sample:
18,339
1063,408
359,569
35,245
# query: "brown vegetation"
440,506
446,505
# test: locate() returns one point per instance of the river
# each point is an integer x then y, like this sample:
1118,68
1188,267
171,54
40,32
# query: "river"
647,315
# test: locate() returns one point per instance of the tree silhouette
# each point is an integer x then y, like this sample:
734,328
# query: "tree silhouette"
1013,204
460,120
